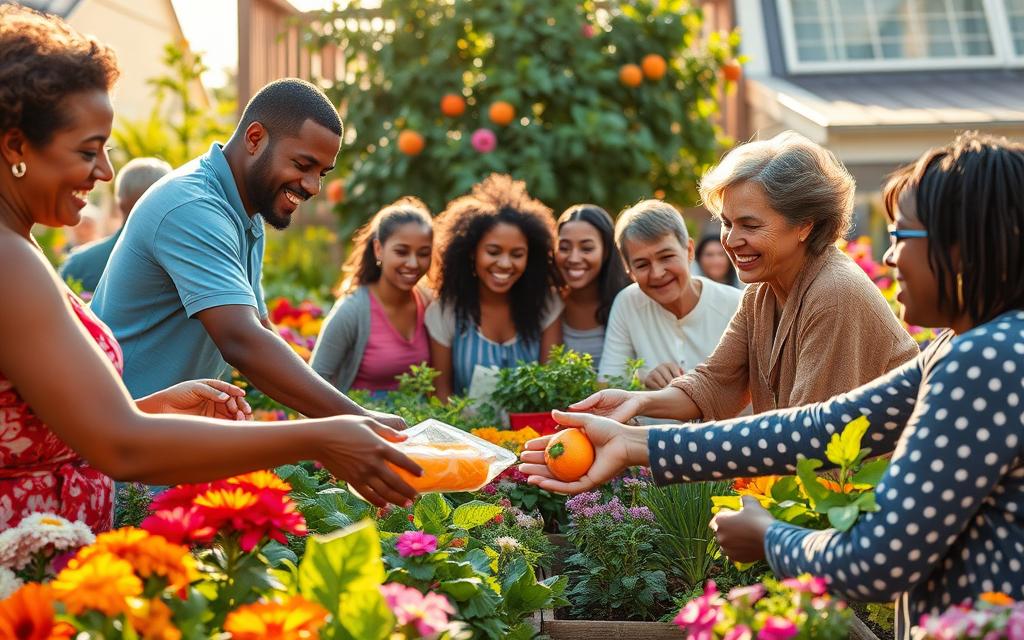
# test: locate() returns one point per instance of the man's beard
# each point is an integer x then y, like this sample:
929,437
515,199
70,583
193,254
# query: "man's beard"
258,183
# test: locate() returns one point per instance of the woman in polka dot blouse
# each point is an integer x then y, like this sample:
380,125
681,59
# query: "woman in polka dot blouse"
951,505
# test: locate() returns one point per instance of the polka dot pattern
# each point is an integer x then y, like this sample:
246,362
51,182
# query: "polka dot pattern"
948,525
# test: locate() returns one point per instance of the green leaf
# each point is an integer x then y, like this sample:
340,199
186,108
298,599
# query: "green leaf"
805,470
473,514
786,488
871,473
343,572
462,589
277,554
431,513
842,518
844,454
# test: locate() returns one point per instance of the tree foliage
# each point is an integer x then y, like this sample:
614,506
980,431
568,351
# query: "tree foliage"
579,133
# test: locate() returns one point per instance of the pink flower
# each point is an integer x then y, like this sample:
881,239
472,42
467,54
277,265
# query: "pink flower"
429,613
415,543
742,632
806,584
698,616
749,595
484,140
776,628
587,30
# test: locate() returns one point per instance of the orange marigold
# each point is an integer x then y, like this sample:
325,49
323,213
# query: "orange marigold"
759,488
152,620
996,598
258,480
293,619
28,615
104,583
149,554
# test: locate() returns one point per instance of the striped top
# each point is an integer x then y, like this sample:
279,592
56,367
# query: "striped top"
470,348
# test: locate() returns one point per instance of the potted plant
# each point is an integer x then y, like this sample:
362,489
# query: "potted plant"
530,391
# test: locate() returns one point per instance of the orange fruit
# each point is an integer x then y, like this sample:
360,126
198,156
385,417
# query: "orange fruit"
452,105
502,113
631,75
569,455
654,66
732,70
335,191
410,142
446,467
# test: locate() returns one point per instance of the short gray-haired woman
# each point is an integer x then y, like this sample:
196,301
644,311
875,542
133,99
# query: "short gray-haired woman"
811,325
670,319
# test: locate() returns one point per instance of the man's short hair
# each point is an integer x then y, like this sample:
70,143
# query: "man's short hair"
135,177
283,105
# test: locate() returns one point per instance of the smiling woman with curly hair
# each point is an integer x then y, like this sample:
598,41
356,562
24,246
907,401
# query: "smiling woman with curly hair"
495,279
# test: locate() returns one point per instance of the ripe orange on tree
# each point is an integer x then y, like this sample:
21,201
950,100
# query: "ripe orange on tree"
453,105
654,66
501,113
569,455
631,75
732,70
410,142
335,191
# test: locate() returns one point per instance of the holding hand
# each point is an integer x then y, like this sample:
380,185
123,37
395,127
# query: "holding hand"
615,447
358,451
616,404
662,375
209,398
388,419
741,533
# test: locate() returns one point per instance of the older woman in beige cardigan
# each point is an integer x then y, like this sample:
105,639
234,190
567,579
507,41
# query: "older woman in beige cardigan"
811,324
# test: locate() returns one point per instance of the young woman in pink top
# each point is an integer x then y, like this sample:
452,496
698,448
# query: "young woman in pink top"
375,332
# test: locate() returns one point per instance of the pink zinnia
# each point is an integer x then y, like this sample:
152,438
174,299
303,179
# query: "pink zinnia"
776,628
742,632
428,613
698,616
749,595
484,140
180,525
806,584
415,543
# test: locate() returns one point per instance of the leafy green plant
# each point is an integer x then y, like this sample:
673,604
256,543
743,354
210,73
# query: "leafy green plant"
132,504
630,378
573,131
833,499
565,378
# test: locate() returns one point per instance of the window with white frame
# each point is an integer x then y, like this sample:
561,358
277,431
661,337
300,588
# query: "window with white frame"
848,35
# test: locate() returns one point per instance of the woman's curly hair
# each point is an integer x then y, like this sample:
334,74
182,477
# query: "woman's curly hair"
459,229
42,61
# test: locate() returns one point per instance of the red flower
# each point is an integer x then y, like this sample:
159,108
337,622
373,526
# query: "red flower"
411,518
183,496
180,525
498,519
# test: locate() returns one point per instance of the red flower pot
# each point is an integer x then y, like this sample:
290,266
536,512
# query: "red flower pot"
542,422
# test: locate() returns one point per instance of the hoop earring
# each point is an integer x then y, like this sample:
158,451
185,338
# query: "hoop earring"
19,169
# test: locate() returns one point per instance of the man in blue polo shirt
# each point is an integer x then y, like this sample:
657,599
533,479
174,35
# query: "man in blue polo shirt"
182,290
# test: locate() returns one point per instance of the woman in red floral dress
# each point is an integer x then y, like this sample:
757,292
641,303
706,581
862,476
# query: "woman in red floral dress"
67,424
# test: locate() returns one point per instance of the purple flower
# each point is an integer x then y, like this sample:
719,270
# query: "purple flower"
484,140
582,501
776,628
641,513
415,543
748,595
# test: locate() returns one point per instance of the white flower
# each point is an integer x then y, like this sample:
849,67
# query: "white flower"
507,543
527,521
9,583
41,532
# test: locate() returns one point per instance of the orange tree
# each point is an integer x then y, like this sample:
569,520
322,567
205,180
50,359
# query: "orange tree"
604,103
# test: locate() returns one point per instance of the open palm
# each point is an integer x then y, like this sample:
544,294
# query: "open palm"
209,398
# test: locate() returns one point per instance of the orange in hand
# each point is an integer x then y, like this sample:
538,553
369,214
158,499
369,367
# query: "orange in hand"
446,467
569,455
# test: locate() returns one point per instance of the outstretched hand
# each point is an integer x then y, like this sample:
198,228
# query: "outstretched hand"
359,451
616,404
616,447
210,398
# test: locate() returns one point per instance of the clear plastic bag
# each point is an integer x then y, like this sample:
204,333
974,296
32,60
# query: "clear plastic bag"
452,459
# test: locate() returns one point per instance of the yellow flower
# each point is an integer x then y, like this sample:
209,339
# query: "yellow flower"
293,619
759,488
227,500
261,480
104,582
997,598
511,440
148,554
152,620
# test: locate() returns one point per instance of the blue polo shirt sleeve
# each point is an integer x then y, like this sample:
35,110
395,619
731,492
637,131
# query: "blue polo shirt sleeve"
201,248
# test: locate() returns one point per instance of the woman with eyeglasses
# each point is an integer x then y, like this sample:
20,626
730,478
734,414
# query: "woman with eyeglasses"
948,525
810,325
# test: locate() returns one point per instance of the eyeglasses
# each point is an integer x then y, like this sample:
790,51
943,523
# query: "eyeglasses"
900,234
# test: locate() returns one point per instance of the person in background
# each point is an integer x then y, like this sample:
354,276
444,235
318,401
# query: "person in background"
67,423
783,204
592,270
948,525
670,318
376,331
496,284
713,262
182,290
88,230
85,264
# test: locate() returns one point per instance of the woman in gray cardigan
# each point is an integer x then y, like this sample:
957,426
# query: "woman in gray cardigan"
375,332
